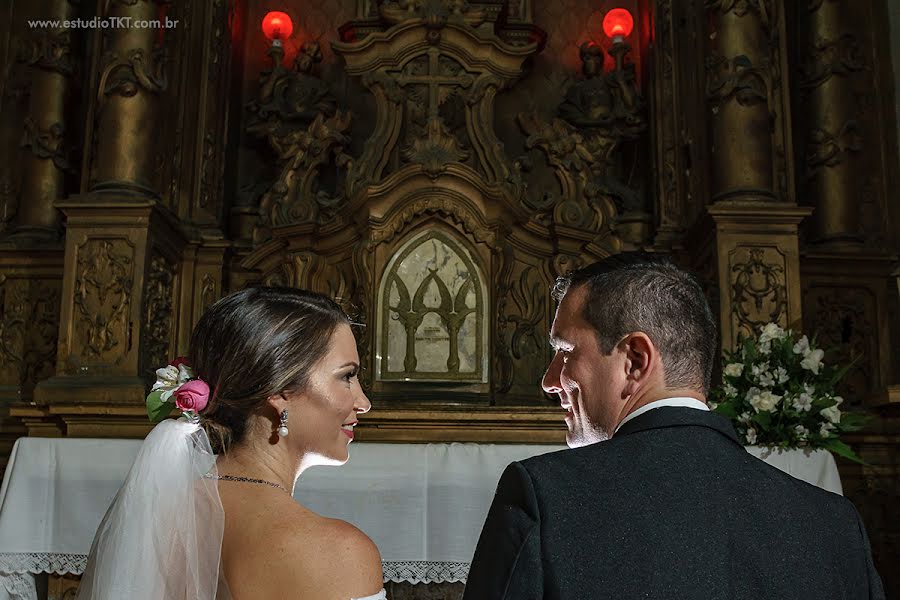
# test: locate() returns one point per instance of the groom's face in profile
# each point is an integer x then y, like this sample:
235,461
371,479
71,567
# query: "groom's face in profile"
587,382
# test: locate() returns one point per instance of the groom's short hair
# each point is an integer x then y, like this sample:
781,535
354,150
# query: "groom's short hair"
637,291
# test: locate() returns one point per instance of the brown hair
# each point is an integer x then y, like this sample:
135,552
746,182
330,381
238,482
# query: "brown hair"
637,291
257,343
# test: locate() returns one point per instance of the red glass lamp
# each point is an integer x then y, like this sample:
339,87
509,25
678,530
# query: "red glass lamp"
618,24
277,26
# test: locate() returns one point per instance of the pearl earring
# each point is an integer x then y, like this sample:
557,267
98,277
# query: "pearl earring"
282,427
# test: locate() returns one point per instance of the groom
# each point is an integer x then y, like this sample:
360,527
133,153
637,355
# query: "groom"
656,498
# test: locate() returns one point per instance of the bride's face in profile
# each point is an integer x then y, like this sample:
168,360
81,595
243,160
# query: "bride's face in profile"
321,417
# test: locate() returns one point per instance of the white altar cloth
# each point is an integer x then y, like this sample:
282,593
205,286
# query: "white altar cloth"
812,466
422,504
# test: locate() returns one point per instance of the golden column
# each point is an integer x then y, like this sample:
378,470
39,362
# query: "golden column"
738,84
131,79
831,55
31,257
753,207
49,52
118,314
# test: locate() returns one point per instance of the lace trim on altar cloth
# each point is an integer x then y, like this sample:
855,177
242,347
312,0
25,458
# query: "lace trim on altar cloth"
412,571
420,571
18,586
41,562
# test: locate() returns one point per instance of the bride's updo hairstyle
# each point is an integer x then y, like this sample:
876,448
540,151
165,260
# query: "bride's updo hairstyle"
256,343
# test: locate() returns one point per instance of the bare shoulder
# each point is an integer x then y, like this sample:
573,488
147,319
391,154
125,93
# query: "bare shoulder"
328,557
273,544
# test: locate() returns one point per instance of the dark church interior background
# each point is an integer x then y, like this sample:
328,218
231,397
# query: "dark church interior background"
442,160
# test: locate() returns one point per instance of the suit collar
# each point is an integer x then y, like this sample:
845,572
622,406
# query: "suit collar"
672,416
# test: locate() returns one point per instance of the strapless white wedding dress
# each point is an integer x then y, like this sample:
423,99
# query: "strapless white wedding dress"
382,595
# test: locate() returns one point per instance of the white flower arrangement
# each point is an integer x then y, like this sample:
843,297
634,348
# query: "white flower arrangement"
778,391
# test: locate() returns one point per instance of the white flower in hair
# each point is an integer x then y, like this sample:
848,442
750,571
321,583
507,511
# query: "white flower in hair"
165,377
170,378
801,431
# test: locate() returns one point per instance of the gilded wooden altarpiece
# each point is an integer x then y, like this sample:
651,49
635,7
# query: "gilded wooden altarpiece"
433,165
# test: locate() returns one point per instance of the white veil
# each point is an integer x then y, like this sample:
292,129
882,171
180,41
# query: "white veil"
161,538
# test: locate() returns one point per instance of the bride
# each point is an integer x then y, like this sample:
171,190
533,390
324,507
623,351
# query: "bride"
271,386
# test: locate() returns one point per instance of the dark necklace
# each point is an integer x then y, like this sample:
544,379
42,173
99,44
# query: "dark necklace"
245,480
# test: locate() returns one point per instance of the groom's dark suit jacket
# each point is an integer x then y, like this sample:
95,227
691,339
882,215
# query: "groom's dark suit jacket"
671,507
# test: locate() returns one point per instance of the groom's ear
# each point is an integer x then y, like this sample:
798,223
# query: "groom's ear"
641,361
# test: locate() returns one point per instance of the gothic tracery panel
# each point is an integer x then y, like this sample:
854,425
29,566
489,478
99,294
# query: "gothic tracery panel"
432,307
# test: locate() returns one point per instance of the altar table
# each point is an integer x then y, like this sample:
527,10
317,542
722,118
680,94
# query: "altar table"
422,504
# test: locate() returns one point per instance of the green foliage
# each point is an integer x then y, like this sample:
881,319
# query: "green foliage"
157,409
778,391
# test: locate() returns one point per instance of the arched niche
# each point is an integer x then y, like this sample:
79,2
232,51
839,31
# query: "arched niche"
431,310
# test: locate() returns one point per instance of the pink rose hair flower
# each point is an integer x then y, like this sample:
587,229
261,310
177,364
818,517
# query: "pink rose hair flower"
192,396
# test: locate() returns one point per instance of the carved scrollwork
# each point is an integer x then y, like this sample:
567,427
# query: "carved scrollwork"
29,327
521,306
283,276
359,307
438,11
843,319
425,206
294,197
50,50
47,143
290,96
579,161
827,58
12,326
103,298
208,291
124,76
599,114
296,115
435,148
561,142
758,288
827,149
737,78
158,314
763,8
43,331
